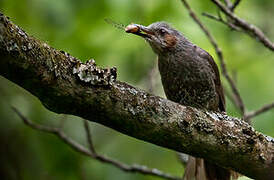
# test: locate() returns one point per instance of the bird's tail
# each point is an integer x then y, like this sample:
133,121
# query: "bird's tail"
199,169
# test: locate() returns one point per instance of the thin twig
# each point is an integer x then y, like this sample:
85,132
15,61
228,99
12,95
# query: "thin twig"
210,16
231,5
220,57
252,30
228,3
53,130
235,4
89,138
78,147
263,109
33,125
232,26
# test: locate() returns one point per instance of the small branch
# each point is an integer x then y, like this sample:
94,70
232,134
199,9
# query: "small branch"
263,109
231,5
220,57
35,126
235,4
79,148
89,138
53,130
210,16
232,26
252,30
228,3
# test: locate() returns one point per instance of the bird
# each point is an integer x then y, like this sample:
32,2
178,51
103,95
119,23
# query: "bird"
189,77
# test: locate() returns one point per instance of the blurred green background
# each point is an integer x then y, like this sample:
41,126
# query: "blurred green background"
78,27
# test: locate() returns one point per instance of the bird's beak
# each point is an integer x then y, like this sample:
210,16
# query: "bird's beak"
139,30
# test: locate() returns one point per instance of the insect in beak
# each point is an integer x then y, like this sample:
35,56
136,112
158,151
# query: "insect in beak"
139,30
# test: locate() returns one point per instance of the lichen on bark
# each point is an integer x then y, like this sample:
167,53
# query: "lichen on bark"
90,73
48,74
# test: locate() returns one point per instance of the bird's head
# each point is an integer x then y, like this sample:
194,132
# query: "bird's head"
161,37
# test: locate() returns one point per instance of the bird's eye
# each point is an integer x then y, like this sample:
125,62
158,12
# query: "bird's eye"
162,31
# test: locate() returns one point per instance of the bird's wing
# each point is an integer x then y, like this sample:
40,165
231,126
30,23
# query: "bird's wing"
217,81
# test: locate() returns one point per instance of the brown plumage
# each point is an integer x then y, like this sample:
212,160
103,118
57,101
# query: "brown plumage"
190,77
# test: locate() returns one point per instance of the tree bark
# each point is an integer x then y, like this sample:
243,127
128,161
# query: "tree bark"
65,85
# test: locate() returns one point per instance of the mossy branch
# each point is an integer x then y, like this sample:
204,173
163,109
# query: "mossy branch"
64,85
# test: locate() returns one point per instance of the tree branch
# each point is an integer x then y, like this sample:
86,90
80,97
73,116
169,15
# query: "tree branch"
261,110
235,4
219,19
231,5
89,139
228,3
252,30
91,152
64,85
247,116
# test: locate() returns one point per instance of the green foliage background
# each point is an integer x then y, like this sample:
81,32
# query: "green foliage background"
78,27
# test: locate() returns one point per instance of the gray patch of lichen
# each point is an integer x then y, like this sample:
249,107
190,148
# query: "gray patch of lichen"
89,73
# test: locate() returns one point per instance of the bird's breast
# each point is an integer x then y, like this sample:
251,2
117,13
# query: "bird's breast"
187,82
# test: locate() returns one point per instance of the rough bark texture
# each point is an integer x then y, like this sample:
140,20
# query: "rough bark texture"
64,85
